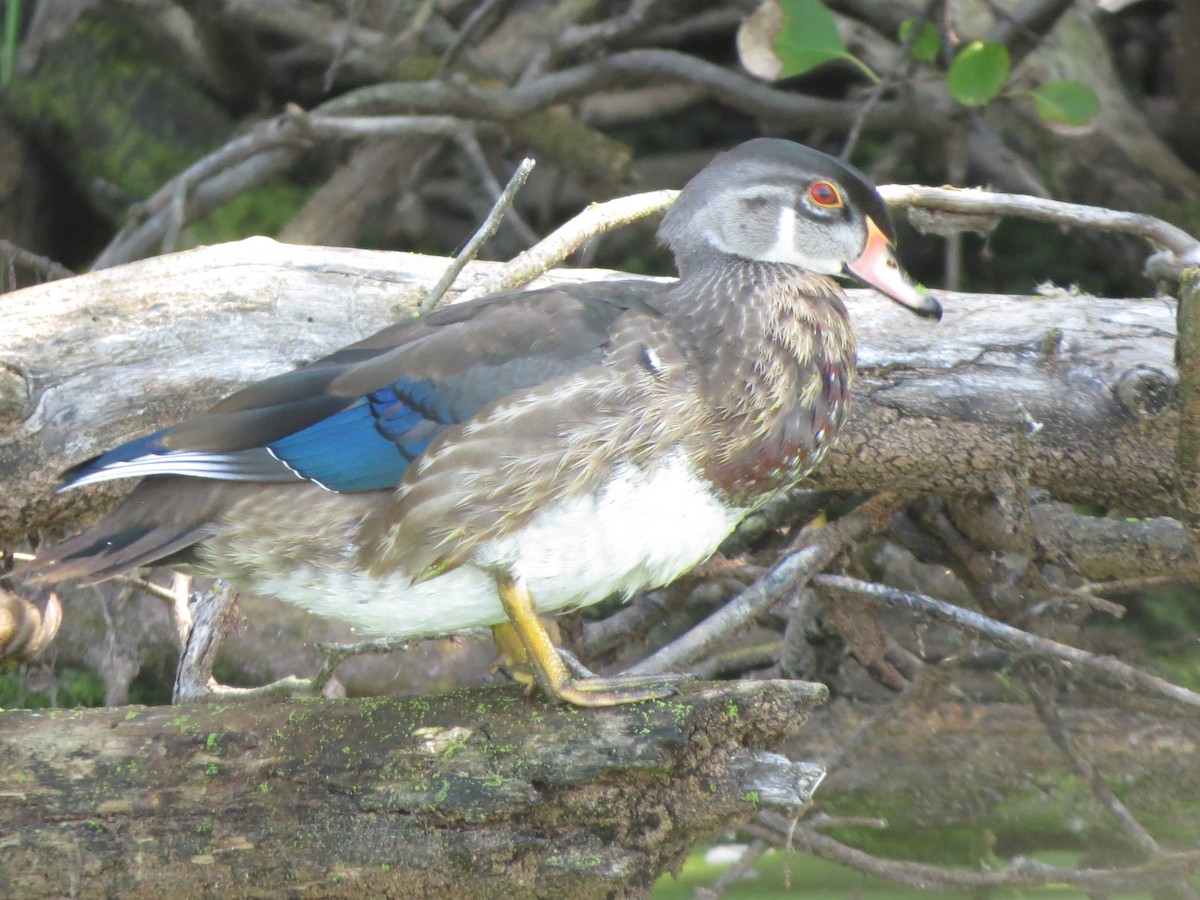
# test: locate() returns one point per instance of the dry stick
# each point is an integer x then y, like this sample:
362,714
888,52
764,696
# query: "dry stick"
1012,638
43,265
318,125
336,654
1129,585
245,161
150,219
736,871
1183,249
1047,711
469,145
633,67
792,571
465,34
486,230
561,243
574,37
139,240
736,614
1019,873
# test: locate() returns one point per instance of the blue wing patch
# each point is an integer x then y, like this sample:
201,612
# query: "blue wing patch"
295,427
364,448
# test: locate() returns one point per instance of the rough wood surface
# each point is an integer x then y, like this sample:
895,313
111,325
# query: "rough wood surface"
90,361
482,793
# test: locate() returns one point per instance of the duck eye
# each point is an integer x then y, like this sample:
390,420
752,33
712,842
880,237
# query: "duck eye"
825,194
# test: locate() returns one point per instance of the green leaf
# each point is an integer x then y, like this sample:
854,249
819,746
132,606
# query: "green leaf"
928,41
978,72
808,38
1068,102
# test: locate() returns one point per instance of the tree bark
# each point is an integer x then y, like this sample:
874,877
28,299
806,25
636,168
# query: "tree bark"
481,793
88,362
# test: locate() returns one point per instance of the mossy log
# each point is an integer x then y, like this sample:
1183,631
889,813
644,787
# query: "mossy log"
479,793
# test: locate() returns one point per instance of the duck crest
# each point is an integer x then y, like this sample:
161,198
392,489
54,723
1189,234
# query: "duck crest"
776,356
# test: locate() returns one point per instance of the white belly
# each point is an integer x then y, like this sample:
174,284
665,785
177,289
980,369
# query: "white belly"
644,528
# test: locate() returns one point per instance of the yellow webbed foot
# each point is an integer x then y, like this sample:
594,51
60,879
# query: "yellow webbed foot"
529,654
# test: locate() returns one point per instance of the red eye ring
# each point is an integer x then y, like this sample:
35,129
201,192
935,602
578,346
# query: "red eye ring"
825,195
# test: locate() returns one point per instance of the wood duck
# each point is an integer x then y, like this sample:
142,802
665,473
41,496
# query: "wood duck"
530,452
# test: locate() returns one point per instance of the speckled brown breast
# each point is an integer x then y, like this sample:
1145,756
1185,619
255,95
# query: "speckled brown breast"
793,447
779,394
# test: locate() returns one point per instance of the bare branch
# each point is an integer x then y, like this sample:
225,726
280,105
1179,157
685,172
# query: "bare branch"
1183,250
1047,711
43,266
794,569
1011,638
213,613
561,243
1166,869
634,67
927,12
486,230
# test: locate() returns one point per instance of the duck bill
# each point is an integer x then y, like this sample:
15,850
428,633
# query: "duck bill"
878,268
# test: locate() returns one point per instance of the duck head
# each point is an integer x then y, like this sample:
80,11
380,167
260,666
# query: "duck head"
776,201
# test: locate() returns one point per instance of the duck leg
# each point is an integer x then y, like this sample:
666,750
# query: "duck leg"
533,658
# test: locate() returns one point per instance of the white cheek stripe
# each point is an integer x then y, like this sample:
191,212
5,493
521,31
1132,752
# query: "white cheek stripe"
785,236
786,249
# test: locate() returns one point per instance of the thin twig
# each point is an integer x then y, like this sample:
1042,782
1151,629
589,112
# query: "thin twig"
557,246
1165,869
1183,249
139,240
317,125
486,230
1047,710
467,33
276,139
42,265
336,654
167,595
469,144
1063,595
574,37
889,77
736,871
791,572
735,615
1011,638
633,67
1129,585
245,161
